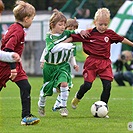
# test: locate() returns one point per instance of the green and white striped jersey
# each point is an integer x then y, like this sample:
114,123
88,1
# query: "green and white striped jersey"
57,52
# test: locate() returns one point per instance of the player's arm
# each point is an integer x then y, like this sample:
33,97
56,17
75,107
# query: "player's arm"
62,46
83,33
74,64
42,60
12,66
9,56
77,38
70,39
128,42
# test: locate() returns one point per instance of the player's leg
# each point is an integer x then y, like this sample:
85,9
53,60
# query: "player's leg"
106,90
57,103
64,93
79,95
41,103
27,117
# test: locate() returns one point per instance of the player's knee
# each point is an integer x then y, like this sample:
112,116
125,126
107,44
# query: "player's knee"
64,84
86,86
28,88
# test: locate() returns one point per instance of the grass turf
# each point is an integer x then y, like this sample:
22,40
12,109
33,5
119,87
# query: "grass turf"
78,121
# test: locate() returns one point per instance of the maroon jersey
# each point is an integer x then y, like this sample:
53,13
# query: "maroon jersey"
14,40
97,46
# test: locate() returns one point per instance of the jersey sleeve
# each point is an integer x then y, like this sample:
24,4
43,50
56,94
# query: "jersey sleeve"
6,56
77,38
114,37
49,42
62,46
13,39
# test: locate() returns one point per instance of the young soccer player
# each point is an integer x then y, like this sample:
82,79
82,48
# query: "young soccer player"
97,46
56,70
13,40
71,24
7,56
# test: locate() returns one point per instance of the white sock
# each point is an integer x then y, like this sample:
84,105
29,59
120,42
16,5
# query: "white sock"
64,96
57,102
42,101
54,90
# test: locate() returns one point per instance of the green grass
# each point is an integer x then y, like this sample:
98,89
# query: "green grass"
78,121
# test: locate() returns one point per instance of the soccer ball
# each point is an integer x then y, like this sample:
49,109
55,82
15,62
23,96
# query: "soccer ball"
99,109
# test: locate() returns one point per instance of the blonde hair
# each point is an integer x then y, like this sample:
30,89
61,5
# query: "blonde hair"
72,23
102,12
56,17
23,9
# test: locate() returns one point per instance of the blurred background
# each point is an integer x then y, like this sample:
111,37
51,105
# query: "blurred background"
75,8
83,10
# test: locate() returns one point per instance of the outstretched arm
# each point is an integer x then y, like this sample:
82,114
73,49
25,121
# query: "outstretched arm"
126,41
68,40
61,46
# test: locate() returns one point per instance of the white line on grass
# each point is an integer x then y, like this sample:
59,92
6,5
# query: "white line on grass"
54,98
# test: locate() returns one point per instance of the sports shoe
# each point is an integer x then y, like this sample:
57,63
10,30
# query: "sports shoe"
41,111
30,120
64,112
55,109
75,102
106,116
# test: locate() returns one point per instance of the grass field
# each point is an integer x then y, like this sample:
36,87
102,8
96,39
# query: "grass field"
78,121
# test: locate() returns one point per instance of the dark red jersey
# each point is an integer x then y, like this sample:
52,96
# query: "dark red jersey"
98,44
14,40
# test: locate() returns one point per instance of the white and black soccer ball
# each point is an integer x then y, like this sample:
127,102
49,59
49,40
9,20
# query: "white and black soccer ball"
99,109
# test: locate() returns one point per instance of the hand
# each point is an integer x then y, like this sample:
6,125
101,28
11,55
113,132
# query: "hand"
41,64
76,67
16,57
84,34
13,74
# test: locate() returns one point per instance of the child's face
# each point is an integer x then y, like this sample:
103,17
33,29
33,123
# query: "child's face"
28,21
101,24
59,28
71,28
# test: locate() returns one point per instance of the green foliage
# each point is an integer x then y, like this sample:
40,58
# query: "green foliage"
78,121
113,5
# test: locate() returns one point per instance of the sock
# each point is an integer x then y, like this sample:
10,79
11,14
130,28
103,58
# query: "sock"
42,101
64,96
57,102
54,90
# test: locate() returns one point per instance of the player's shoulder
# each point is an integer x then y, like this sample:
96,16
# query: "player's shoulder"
110,31
16,28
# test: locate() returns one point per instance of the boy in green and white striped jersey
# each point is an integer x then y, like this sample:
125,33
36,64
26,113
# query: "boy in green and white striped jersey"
71,24
56,69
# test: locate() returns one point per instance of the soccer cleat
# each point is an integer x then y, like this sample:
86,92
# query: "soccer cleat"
64,112
106,116
30,120
55,109
41,111
75,102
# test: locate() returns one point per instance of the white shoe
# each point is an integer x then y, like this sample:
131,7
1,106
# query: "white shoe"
106,116
64,112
